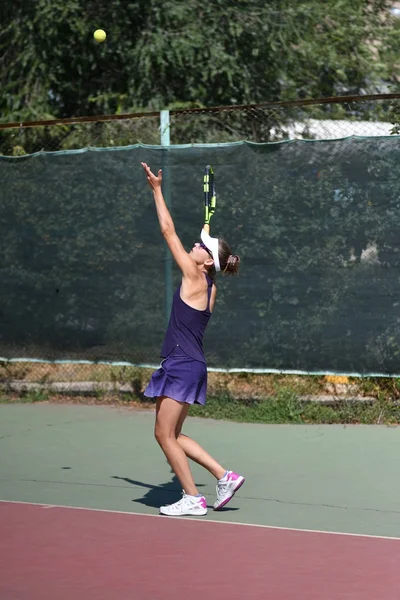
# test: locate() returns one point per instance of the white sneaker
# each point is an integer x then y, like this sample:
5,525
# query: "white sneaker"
187,505
227,487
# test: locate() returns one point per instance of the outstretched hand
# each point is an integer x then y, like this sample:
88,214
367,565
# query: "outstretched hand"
154,181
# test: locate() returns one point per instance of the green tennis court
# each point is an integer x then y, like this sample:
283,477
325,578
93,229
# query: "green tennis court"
304,485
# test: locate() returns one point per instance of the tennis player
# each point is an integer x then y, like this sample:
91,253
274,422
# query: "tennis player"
181,379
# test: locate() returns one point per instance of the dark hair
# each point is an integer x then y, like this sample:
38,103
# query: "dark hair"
229,262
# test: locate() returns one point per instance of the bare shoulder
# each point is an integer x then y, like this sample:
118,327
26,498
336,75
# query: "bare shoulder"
194,283
194,291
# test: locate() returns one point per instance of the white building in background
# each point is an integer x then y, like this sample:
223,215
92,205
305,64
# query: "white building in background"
329,129
395,10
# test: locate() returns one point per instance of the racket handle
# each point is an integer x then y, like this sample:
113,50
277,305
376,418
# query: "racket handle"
206,228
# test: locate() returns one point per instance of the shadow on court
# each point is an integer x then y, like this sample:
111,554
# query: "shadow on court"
159,495
156,495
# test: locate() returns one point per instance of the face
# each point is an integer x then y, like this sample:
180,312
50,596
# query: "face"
201,251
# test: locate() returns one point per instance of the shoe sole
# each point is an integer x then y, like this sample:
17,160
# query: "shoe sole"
186,514
230,497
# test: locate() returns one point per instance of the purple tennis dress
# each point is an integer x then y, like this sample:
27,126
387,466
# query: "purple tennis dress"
183,372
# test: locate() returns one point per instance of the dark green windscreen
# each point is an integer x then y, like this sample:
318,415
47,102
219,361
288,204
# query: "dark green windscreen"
84,272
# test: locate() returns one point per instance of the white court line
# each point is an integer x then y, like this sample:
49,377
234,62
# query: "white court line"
273,527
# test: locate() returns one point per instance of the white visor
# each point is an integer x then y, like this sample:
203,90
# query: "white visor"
212,245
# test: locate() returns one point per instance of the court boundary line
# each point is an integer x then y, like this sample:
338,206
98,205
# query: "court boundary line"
196,519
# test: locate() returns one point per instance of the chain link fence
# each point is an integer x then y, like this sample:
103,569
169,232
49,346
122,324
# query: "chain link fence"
332,118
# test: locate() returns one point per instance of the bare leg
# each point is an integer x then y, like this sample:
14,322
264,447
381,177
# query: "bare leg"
168,413
195,452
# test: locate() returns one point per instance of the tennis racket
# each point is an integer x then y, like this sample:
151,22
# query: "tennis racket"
210,197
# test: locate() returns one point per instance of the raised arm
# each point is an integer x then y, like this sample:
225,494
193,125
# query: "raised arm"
184,261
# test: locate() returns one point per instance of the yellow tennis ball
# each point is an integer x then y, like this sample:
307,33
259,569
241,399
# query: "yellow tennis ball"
99,35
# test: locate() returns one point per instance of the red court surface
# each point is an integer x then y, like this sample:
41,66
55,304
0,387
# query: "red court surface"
60,553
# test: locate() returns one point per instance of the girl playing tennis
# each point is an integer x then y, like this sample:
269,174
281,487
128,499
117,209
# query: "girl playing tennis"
182,378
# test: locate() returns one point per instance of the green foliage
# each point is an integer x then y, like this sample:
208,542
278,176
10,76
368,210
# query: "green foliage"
25,397
158,53
395,116
286,407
